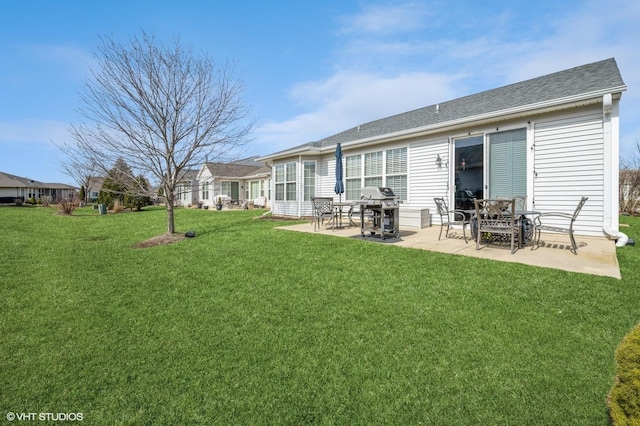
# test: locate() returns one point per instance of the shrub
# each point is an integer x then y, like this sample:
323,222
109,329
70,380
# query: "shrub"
117,206
66,206
624,397
136,201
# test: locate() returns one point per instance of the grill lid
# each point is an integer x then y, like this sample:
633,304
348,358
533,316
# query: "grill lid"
377,193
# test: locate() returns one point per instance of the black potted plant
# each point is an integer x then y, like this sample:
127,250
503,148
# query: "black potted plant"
219,203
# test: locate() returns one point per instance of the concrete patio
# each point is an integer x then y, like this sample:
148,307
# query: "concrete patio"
596,255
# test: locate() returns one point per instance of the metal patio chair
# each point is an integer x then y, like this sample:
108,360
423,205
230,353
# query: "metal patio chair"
449,218
322,207
569,219
497,222
521,201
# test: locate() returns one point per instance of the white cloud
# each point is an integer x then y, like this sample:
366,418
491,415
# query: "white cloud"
348,99
378,73
386,19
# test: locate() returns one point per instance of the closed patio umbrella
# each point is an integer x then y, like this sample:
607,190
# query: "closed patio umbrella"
339,188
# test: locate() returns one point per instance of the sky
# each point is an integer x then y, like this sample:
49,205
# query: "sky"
310,69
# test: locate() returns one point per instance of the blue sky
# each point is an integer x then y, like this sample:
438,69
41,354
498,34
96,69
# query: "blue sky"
310,69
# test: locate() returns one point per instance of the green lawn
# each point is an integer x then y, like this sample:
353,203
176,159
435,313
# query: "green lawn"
246,324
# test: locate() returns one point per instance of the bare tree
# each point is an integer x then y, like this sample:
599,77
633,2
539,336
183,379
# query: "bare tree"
80,172
629,189
163,109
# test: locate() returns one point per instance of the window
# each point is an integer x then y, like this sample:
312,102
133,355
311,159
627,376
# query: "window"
309,180
396,171
508,163
231,189
205,190
226,188
291,181
373,169
285,183
279,181
353,177
254,189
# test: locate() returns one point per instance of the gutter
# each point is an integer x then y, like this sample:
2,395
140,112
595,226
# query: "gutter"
289,153
590,98
539,108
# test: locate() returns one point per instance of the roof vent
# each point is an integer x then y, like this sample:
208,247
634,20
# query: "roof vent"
437,108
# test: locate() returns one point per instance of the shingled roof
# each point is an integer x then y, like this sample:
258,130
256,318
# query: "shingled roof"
587,80
12,181
236,170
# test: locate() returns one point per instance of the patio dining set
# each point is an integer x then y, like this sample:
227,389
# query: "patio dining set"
378,210
506,220
500,220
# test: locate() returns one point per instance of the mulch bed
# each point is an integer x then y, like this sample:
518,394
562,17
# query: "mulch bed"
160,240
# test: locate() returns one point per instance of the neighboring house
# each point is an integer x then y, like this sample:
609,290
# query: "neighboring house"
12,186
94,186
187,189
552,139
243,180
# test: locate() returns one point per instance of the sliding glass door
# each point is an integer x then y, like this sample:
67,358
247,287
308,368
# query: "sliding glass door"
498,169
468,171
508,163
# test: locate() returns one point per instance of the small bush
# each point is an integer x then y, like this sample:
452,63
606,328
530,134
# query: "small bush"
117,206
624,397
67,207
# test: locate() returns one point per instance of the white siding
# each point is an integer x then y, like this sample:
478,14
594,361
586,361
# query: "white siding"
299,207
426,180
203,175
569,164
326,176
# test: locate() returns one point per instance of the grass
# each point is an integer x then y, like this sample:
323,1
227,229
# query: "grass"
246,324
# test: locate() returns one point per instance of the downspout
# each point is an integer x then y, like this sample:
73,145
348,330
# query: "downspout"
269,191
611,175
300,178
620,237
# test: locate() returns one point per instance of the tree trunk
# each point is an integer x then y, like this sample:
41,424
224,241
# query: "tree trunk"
170,221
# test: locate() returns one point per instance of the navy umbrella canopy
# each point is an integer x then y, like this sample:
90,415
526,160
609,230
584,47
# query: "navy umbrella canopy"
339,188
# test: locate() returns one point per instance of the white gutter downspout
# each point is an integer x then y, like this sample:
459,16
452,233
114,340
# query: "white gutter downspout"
611,173
269,191
620,237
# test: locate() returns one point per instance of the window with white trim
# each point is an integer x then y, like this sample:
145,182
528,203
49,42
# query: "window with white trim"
373,169
396,171
285,183
309,180
353,177
254,189
226,188
205,190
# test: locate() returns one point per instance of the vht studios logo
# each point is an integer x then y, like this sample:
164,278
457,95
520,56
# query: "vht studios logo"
53,417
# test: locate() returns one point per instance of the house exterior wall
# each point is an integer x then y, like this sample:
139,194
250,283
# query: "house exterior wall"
186,193
568,156
569,162
426,180
9,192
205,176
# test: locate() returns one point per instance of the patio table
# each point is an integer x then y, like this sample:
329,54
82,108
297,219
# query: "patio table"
338,210
525,220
